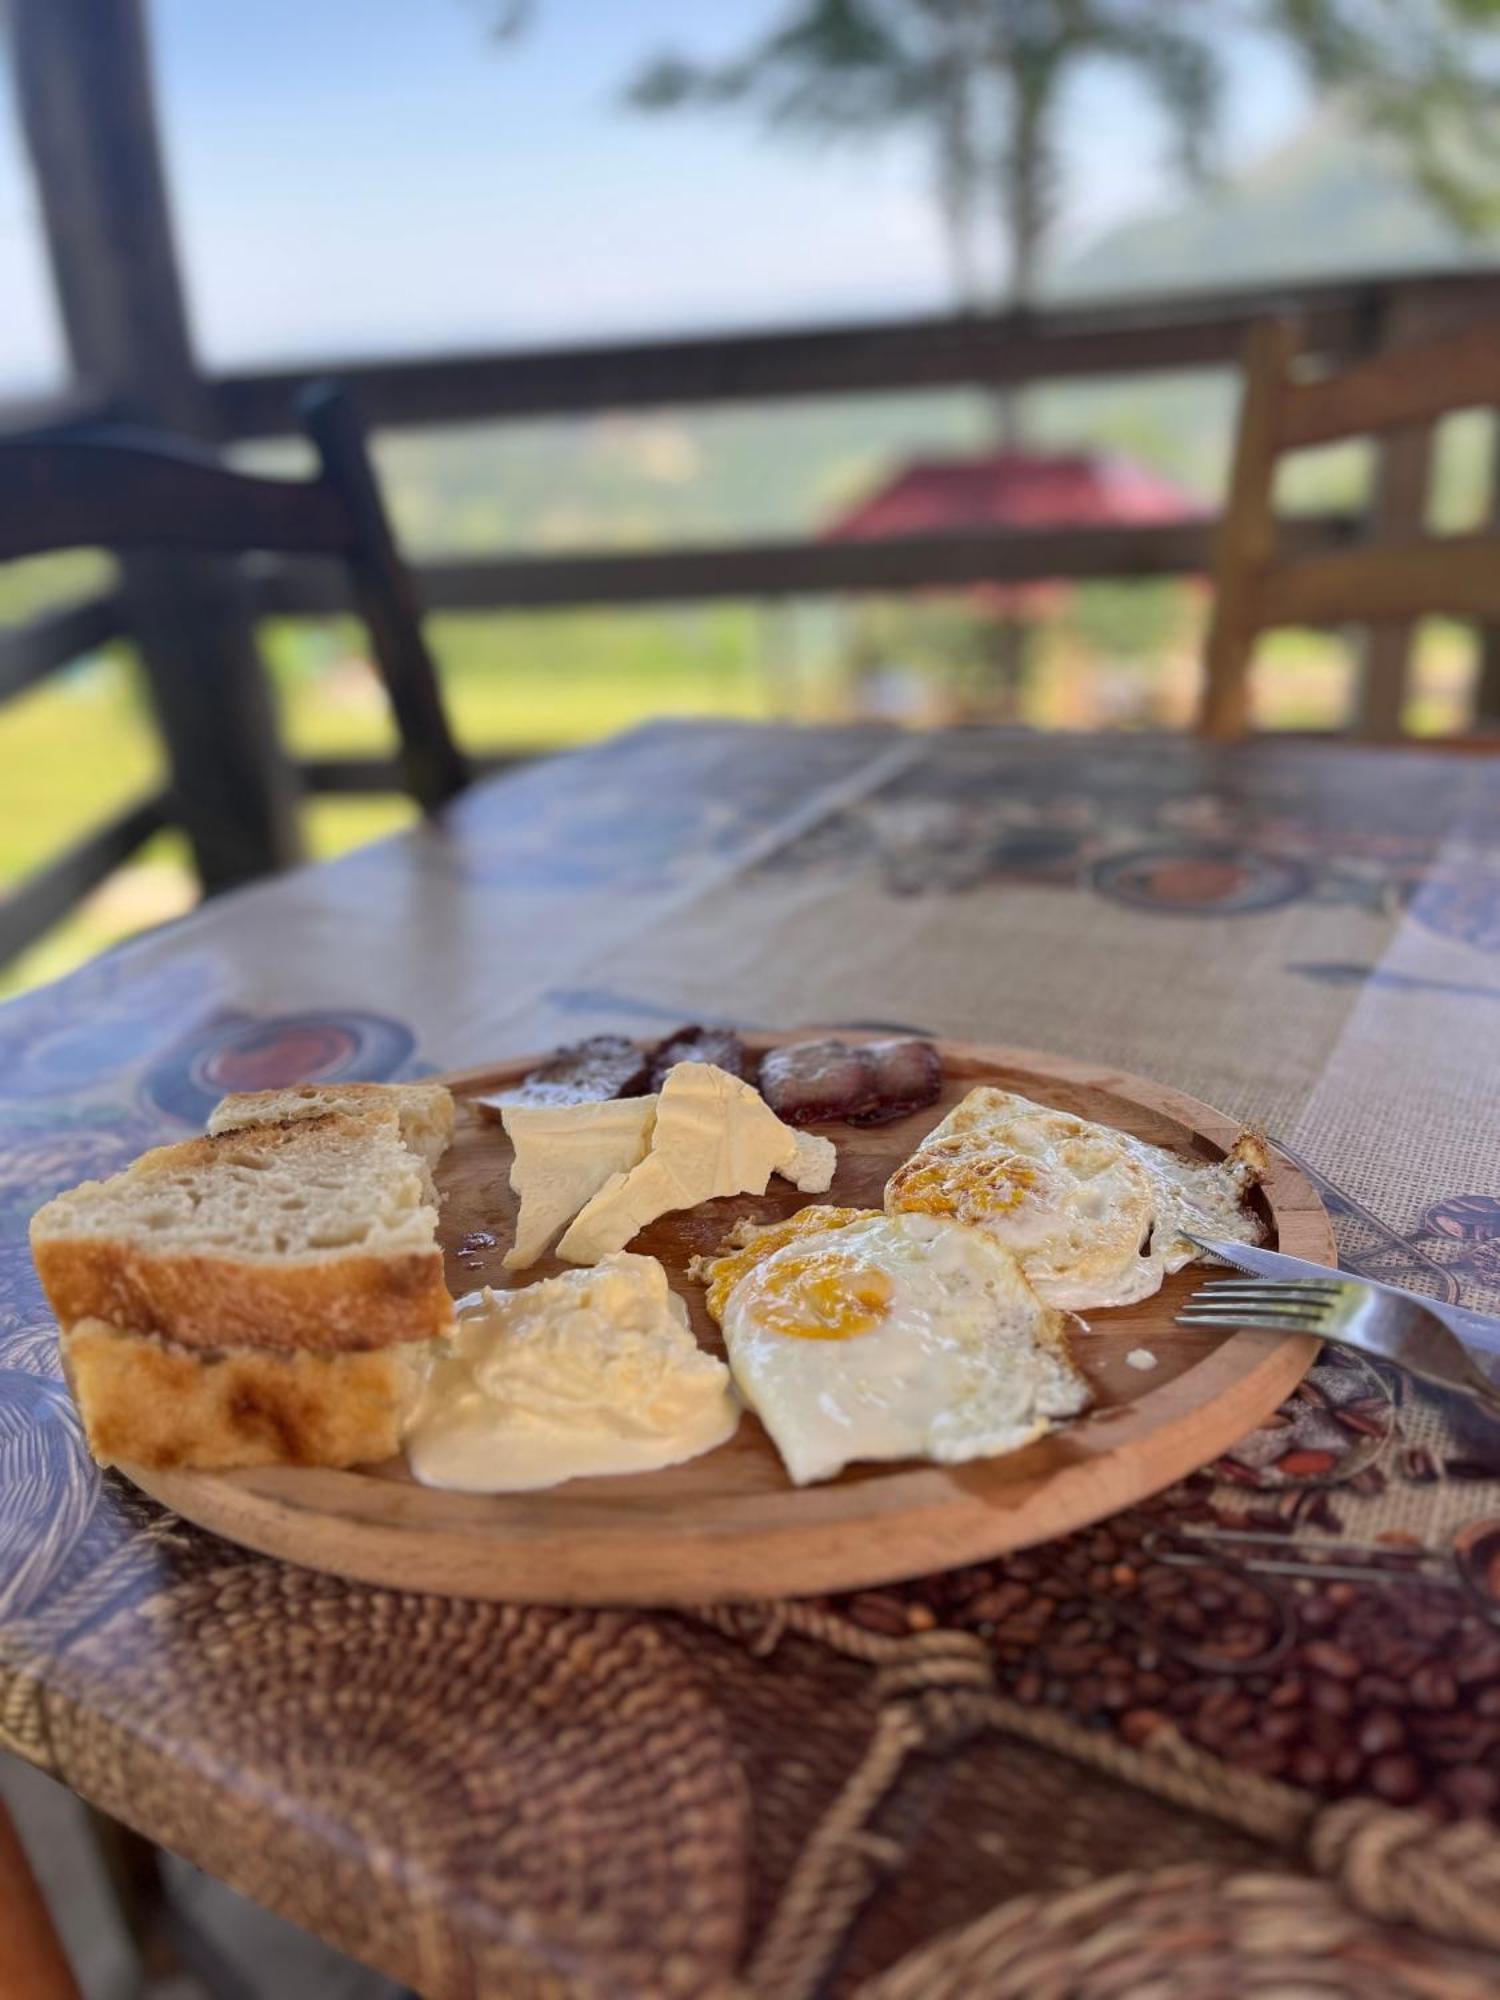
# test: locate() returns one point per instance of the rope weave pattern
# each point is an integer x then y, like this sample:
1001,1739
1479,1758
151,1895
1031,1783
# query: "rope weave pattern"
836,1871
1399,1867
936,1689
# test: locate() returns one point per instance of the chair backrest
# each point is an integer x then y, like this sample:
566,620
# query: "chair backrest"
117,486
1256,587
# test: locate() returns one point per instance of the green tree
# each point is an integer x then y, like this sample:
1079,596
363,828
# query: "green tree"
981,80
1425,73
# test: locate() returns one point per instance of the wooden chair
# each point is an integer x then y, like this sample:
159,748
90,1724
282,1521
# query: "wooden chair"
1257,587
115,486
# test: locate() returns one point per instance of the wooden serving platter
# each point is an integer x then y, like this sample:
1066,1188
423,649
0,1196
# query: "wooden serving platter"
730,1525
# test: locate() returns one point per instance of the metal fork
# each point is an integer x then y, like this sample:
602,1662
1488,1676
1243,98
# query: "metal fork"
1381,1324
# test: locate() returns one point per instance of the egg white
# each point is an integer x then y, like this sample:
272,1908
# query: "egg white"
953,1356
1095,1216
1206,1196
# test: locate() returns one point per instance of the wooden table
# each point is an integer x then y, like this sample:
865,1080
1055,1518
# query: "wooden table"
482,1799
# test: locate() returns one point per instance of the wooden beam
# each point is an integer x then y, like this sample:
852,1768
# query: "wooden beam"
1400,387
765,569
789,569
76,492
338,777
1194,330
1458,575
772,569
29,652
797,569
42,899
87,109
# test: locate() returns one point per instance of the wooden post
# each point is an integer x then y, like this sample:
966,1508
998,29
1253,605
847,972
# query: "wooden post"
83,73
1487,691
1246,538
1398,508
1397,511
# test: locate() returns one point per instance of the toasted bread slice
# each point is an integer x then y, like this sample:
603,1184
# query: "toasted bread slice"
312,1235
148,1402
423,1111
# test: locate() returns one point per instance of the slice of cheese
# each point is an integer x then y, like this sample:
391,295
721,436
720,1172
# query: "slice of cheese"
713,1135
564,1154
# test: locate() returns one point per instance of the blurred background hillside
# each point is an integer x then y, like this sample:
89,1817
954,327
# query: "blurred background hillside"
394,177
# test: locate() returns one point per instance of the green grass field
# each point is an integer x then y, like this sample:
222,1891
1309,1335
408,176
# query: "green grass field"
81,746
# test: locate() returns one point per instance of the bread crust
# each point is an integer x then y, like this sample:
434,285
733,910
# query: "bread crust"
348,1305
155,1404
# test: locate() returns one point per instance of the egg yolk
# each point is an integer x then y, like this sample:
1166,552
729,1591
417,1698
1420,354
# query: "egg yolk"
726,1270
967,1186
820,1297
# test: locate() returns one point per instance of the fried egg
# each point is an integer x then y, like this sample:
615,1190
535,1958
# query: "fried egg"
857,1335
1094,1216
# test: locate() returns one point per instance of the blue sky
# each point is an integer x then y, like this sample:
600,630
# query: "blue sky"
364,176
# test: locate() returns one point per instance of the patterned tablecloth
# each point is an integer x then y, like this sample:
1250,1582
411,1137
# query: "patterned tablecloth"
481,1799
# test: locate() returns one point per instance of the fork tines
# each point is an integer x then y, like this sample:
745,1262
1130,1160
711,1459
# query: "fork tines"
1297,1304
1272,1287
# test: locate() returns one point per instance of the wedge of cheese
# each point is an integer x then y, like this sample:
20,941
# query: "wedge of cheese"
564,1154
713,1135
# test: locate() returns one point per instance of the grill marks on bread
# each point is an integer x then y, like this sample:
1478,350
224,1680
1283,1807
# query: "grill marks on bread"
151,1402
422,1113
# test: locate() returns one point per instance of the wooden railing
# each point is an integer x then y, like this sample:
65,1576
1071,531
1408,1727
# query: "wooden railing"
29,653
1133,338
1118,339
794,569
1138,336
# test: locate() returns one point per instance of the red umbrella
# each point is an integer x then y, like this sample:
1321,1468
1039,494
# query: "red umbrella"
1014,489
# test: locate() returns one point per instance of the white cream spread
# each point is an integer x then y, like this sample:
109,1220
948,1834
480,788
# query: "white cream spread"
593,1372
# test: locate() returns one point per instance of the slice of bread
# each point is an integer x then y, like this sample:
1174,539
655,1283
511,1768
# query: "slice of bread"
148,1402
423,1111
311,1235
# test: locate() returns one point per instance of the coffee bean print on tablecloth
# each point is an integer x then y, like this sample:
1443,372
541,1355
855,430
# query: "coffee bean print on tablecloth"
1332,1430
1386,1684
